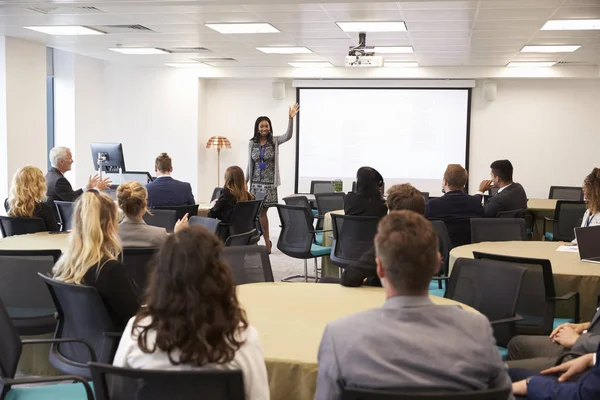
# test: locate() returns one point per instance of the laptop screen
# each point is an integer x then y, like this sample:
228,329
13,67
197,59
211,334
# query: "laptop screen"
588,241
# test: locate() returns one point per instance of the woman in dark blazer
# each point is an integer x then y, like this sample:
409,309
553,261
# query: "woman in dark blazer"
367,200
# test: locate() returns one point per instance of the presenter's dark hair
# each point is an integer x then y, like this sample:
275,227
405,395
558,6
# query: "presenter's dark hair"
369,182
257,134
503,169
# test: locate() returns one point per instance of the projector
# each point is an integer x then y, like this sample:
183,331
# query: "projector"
364,61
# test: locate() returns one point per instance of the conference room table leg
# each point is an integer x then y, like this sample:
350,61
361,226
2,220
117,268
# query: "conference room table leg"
327,267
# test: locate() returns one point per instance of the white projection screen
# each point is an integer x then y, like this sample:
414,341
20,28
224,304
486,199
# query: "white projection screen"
408,135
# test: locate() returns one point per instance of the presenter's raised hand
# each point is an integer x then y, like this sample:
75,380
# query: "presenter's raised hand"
103,184
294,110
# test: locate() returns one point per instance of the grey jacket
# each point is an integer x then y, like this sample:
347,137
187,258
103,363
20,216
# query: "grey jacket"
589,341
410,344
138,234
277,140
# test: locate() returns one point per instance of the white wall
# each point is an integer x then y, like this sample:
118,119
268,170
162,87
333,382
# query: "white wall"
549,130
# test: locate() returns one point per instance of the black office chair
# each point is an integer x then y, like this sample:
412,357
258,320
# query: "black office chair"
212,224
459,231
425,196
216,193
114,383
567,216
65,214
445,245
11,347
352,237
367,394
249,264
138,262
241,239
497,229
243,219
382,187
180,211
25,296
162,218
538,298
11,226
574,193
321,187
327,202
81,314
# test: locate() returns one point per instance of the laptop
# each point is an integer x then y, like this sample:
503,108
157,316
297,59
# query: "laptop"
588,242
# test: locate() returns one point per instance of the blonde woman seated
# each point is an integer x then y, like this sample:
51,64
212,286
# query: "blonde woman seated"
27,198
192,318
91,256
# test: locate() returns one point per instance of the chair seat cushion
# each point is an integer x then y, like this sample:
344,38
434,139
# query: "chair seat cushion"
63,391
319,251
549,236
18,312
319,238
560,321
503,352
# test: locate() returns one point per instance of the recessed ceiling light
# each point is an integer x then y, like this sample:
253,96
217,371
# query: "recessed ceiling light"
398,26
531,64
393,49
138,50
284,50
397,64
227,29
188,65
549,49
65,30
311,64
571,25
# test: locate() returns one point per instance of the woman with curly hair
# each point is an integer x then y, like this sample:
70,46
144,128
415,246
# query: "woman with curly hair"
591,193
27,198
192,318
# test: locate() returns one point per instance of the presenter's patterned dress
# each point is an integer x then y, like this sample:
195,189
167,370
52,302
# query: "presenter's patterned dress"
263,180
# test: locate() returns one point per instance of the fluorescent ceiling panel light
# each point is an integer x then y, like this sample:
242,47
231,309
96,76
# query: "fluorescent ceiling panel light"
549,49
572,25
284,50
188,65
138,50
393,49
65,30
396,64
531,64
228,29
311,64
398,26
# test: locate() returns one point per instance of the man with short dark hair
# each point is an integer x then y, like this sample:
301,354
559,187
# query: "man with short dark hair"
409,344
166,191
511,195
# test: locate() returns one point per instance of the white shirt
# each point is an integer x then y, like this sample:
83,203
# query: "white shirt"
249,359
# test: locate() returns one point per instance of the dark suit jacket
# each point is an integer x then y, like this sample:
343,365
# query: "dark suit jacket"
355,204
513,197
364,268
223,207
453,205
166,191
45,212
59,188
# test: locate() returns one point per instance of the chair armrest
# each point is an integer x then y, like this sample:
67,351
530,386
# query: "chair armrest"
569,296
113,334
440,278
225,224
516,318
547,219
45,379
41,341
322,230
567,354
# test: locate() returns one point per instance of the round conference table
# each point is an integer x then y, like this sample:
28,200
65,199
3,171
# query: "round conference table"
570,274
291,318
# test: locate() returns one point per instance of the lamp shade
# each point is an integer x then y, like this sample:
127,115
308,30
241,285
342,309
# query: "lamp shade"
218,142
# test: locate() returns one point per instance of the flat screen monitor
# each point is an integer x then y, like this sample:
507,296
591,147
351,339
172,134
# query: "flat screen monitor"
108,157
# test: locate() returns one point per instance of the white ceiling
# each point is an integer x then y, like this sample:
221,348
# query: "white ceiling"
443,33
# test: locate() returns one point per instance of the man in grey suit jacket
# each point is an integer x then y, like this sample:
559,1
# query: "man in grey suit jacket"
511,195
409,344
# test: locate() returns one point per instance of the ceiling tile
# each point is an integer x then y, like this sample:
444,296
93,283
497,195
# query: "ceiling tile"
440,34
507,34
577,13
519,3
439,26
365,15
504,25
441,15
304,26
504,14
374,36
319,35
438,5
341,43
440,49
497,42
367,6
580,3
441,42
226,17
294,16
260,8
558,41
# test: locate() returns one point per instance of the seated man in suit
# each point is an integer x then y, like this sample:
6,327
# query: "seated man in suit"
166,191
511,195
58,187
409,344
400,197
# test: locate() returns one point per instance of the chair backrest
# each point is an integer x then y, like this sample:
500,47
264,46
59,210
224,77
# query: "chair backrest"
459,230
352,237
83,315
574,193
321,187
518,213
11,226
216,193
10,346
536,300
114,383
366,394
249,264
491,287
241,239
301,201
295,238
445,244
243,216
21,290
138,262
162,218
567,216
180,211
425,196
212,224
497,229
65,214
327,202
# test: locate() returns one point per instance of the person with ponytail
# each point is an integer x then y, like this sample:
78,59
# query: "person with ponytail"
591,194
91,256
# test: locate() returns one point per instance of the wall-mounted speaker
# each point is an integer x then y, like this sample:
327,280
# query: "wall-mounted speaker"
278,90
489,90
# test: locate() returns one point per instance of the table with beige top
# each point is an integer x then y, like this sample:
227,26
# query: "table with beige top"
570,273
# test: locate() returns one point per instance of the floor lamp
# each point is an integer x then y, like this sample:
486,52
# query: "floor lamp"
218,142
